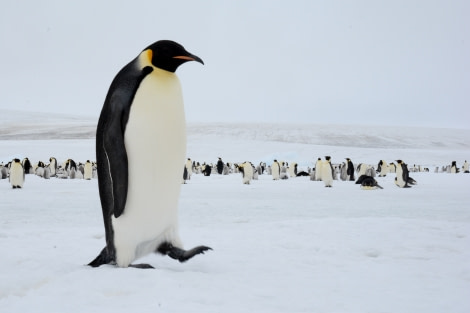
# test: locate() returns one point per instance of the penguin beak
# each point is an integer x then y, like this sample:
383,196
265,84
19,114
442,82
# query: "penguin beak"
189,57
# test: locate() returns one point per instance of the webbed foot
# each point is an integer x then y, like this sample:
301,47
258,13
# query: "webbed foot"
180,254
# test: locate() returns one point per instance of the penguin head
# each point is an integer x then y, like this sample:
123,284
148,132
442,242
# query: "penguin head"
169,55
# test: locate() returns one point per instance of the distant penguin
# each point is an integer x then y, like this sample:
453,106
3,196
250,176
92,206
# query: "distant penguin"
292,170
403,179
247,171
53,166
142,122
318,167
350,169
3,172
276,170
327,172
361,169
69,165
206,169
88,170
453,168
392,168
17,174
465,167
343,171
39,171
368,182
220,166
382,168
27,166
188,170
226,170
47,172
283,171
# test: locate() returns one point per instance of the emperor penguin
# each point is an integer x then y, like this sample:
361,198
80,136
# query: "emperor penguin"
350,169
275,170
53,166
3,171
327,172
368,182
453,168
16,174
27,166
88,170
465,167
403,179
142,122
382,168
247,171
292,169
318,169
220,166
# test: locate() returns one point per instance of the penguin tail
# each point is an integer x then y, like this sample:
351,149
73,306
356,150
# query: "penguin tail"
102,258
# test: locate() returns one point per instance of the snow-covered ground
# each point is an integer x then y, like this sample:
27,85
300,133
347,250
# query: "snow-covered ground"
278,246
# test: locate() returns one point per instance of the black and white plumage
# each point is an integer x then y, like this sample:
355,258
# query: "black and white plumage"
142,122
350,169
403,179
17,174
368,182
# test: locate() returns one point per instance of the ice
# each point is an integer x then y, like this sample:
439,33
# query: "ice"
278,246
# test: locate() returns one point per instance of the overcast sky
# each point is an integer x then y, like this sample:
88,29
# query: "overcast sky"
341,62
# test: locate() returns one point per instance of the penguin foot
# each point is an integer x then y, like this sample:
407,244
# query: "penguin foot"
142,266
180,254
101,259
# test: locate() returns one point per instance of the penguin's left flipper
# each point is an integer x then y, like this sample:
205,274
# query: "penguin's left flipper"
180,254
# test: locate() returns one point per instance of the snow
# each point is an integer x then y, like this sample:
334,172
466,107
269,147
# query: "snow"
278,246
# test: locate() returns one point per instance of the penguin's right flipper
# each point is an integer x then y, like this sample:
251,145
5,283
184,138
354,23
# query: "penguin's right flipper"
180,254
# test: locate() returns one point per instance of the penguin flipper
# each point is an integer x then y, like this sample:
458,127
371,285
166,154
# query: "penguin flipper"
179,254
110,147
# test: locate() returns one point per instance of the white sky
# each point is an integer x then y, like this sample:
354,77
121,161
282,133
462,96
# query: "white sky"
341,62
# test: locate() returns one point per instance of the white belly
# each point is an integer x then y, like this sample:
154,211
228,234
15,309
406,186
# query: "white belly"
155,140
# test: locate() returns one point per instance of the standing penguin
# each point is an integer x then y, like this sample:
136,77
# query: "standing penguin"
403,179
142,122
16,174
88,170
465,167
318,167
327,172
27,166
53,166
382,168
350,169
453,168
247,172
275,170
220,166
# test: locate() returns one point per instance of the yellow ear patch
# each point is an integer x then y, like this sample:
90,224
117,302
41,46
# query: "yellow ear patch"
149,55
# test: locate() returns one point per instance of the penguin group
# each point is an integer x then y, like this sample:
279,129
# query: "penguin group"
16,170
324,170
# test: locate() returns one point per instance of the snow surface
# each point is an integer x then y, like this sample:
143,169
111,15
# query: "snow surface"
279,246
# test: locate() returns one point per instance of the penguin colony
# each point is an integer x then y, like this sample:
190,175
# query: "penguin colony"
69,169
15,171
323,170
